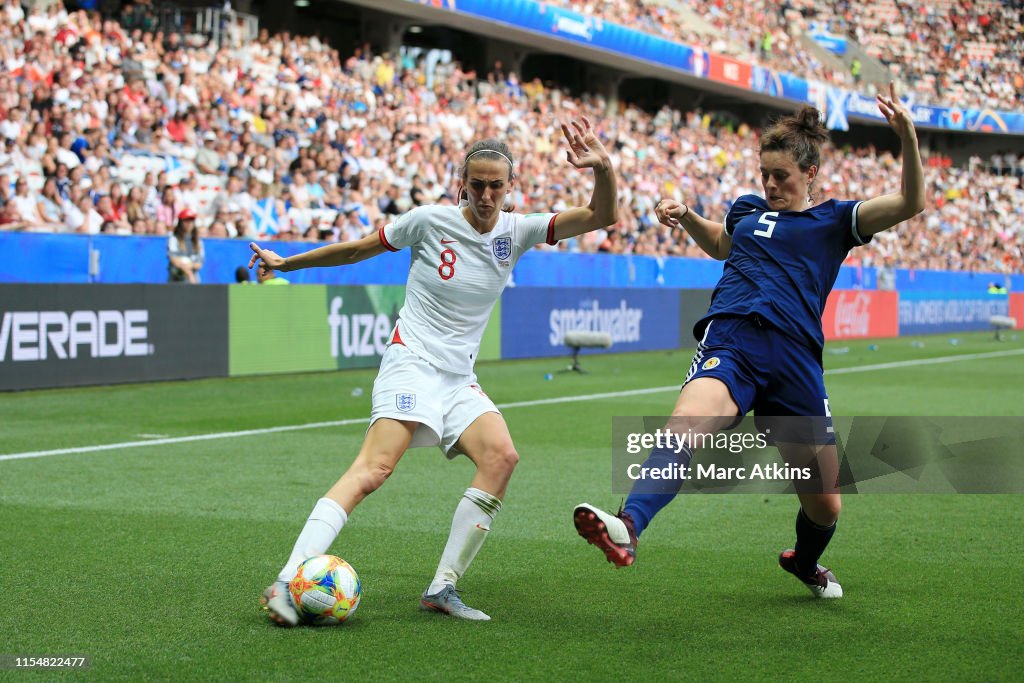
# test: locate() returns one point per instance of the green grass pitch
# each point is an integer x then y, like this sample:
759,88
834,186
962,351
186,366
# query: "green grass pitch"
150,559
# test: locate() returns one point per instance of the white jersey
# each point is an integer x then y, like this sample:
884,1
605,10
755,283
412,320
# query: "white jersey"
456,276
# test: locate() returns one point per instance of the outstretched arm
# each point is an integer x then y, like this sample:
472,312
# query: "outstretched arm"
341,254
586,151
709,236
882,213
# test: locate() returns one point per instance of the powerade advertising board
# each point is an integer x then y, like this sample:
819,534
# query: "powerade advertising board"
70,335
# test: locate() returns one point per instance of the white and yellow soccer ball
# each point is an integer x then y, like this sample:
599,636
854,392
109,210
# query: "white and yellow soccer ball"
326,590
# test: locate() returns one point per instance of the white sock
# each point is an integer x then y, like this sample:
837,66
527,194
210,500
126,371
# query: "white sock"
470,526
322,527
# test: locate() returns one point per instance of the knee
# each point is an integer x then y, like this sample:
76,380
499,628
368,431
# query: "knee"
833,506
371,473
502,460
824,509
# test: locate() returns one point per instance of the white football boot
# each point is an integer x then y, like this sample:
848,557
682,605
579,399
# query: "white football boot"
277,603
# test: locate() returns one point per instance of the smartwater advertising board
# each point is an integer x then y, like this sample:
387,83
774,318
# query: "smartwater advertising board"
72,335
534,320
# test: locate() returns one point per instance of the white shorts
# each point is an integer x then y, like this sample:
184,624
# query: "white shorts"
444,403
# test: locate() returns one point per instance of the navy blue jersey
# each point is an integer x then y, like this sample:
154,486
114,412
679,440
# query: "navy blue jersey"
783,264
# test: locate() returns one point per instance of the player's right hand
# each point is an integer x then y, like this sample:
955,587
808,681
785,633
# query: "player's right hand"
670,212
896,113
267,259
585,148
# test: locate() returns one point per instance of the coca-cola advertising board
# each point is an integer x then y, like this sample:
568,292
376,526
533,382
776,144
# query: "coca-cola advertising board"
1017,309
731,71
852,314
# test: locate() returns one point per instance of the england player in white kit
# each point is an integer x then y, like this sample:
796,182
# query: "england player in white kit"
426,392
426,374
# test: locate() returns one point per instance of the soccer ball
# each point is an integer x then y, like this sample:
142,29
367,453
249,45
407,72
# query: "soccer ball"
326,590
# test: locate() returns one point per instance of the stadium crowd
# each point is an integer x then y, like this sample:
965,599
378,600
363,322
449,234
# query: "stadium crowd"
758,31
963,53
111,127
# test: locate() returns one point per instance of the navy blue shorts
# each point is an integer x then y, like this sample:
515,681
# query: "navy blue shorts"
765,371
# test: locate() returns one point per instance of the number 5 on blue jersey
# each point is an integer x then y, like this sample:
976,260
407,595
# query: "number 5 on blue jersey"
766,219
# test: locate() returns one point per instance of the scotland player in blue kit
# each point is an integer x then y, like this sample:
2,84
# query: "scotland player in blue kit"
761,341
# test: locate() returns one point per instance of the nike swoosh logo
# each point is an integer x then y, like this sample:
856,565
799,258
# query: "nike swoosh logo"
481,528
449,241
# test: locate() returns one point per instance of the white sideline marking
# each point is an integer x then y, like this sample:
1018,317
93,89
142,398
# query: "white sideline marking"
178,439
518,404
924,361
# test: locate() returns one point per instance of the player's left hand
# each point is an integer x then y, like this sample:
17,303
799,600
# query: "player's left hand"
585,148
895,113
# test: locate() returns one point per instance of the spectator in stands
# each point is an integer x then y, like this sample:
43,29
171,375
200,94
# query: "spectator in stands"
169,209
118,201
185,253
9,218
117,223
229,215
26,204
330,195
50,206
244,228
218,230
312,230
187,193
300,191
92,220
352,228
388,204
134,209
63,179
219,204
208,161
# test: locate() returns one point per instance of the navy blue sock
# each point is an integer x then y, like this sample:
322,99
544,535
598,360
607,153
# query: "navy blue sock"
811,541
650,495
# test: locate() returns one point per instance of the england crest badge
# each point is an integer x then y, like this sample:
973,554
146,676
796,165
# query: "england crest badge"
502,248
405,402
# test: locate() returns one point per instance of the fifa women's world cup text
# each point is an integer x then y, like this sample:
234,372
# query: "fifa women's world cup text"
760,343
426,393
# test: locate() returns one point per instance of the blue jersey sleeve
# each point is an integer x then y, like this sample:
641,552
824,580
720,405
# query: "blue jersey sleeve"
846,220
744,206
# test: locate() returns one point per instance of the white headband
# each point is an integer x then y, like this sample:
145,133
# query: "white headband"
490,151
